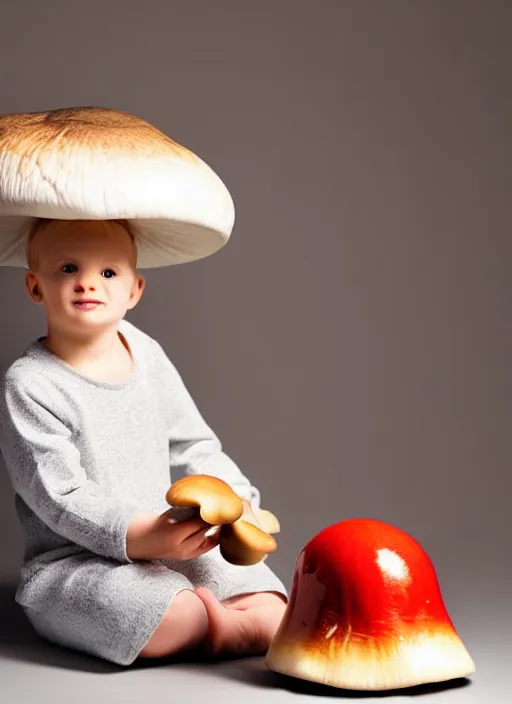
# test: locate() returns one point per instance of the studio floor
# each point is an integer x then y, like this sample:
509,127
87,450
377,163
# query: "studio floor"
34,671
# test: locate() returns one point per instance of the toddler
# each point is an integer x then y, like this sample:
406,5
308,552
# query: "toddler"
94,421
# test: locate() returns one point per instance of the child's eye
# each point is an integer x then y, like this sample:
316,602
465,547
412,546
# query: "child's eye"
69,268
109,273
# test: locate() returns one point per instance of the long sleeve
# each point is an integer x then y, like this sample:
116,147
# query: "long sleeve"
194,448
46,472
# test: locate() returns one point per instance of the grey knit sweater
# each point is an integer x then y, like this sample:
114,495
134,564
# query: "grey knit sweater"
84,456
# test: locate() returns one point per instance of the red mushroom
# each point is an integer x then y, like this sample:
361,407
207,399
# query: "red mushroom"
366,612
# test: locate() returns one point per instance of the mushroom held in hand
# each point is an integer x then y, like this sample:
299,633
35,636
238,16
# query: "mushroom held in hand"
366,612
244,534
245,542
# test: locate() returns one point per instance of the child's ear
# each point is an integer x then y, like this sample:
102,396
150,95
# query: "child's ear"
138,287
32,287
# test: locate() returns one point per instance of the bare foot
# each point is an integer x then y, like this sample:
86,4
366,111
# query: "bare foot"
235,632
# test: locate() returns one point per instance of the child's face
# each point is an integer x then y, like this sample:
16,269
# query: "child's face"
77,261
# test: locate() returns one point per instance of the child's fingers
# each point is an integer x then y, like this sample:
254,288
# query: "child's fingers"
202,542
209,534
194,537
208,544
191,528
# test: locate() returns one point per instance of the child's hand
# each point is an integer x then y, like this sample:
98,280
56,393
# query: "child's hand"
186,539
159,537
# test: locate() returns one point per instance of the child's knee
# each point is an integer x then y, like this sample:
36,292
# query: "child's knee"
183,626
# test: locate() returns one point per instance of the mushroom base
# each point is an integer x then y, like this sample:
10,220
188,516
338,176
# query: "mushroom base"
393,662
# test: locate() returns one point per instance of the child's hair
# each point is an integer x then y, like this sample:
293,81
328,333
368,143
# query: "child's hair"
42,223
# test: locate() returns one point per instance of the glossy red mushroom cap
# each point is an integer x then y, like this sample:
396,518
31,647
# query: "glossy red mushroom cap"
366,612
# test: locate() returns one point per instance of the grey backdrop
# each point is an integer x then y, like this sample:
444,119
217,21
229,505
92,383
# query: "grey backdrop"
352,344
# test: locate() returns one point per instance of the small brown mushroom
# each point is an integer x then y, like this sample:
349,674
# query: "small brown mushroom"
244,537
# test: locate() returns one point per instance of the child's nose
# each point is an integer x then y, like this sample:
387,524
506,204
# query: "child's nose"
86,282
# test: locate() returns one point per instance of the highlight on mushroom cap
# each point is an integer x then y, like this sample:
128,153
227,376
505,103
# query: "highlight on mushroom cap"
365,612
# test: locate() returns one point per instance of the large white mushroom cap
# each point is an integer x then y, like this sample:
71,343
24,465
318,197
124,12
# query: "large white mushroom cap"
90,163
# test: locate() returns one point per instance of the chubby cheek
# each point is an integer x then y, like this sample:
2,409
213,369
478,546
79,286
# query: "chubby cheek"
117,291
58,296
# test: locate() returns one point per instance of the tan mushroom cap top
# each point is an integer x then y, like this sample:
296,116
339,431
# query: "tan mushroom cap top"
93,163
215,500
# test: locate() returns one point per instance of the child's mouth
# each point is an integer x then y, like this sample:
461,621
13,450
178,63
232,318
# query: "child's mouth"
86,305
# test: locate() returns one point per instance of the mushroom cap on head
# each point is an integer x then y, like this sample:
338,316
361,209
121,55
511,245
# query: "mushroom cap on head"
365,612
93,163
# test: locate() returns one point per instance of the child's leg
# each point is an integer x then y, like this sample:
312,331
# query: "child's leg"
242,625
183,627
